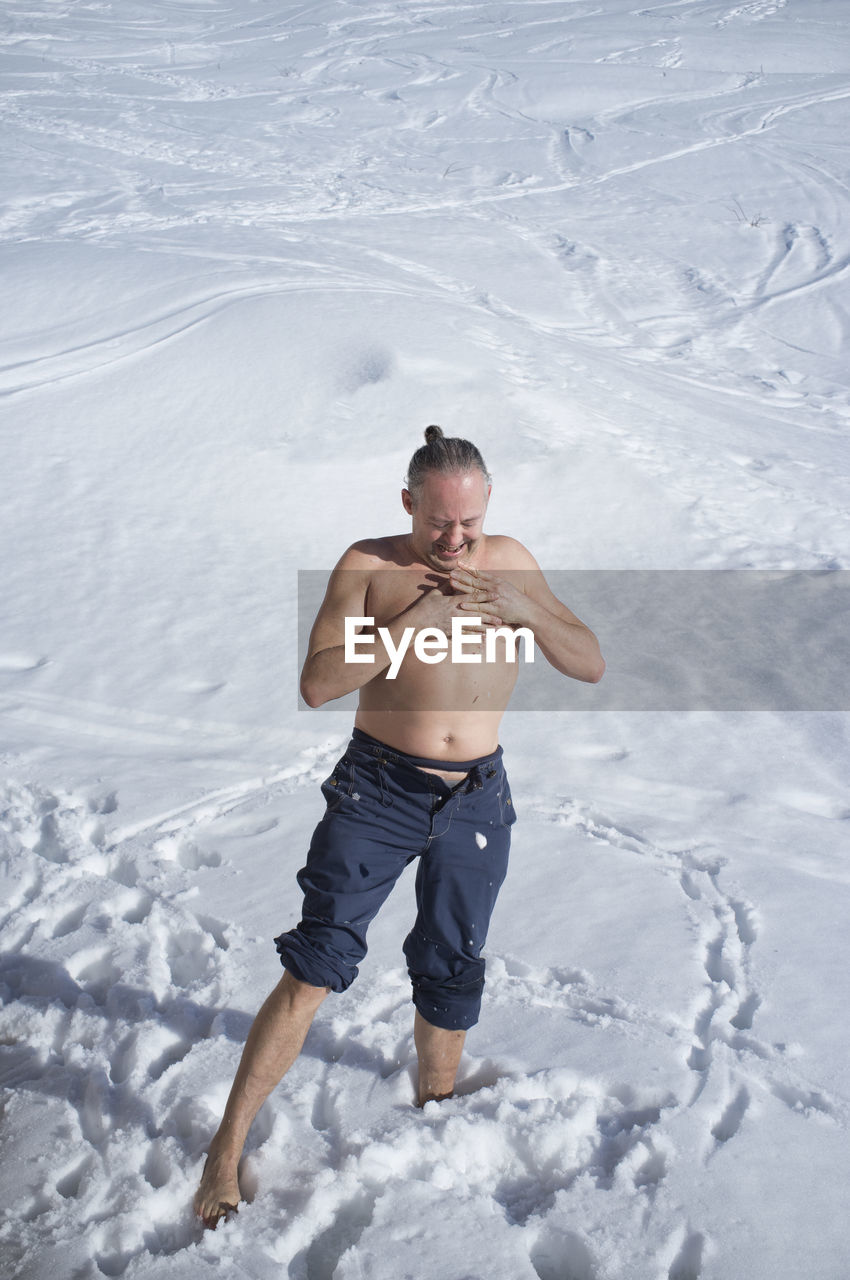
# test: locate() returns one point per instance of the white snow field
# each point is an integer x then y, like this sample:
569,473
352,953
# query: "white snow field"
250,249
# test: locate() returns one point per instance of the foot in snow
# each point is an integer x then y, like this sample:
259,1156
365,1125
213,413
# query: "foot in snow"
218,1195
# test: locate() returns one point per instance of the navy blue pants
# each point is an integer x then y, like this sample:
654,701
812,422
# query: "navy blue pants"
383,811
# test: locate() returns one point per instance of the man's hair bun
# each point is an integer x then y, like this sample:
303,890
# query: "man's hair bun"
445,454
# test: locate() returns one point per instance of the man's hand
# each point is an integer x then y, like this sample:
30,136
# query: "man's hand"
447,600
566,642
489,596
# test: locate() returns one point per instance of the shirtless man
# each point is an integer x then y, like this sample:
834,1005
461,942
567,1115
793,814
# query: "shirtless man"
422,776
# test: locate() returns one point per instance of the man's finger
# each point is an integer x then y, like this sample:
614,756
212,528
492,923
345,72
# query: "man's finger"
487,620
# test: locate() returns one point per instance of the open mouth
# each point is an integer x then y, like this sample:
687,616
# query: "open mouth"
454,552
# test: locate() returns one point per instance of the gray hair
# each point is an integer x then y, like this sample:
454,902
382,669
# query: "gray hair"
447,456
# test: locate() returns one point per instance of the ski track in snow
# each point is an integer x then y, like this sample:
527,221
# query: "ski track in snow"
428,119
725,1013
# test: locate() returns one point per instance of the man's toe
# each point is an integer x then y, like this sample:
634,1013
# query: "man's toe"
224,1210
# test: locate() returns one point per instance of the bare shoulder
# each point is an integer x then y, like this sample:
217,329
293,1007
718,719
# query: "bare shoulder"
347,589
515,560
508,553
369,554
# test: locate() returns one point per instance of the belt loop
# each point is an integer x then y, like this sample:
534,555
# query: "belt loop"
386,798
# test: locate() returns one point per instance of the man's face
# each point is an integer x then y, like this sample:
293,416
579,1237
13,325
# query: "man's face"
447,517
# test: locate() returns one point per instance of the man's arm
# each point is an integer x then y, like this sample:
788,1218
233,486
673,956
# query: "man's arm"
325,674
527,601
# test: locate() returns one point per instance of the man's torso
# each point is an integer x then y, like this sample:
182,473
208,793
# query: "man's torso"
445,710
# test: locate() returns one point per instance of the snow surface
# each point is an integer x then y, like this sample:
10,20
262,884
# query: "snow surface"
250,249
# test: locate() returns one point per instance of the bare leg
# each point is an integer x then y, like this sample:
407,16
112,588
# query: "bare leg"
273,1044
439,1053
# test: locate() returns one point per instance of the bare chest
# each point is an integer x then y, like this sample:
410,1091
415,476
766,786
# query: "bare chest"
391,591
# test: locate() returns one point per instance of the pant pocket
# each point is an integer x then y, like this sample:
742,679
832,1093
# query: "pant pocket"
506,806
340,784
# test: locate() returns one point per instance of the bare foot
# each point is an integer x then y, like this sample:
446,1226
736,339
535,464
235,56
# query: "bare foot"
425,1098
218,1195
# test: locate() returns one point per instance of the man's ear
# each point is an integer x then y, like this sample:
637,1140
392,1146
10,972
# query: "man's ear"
407,501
